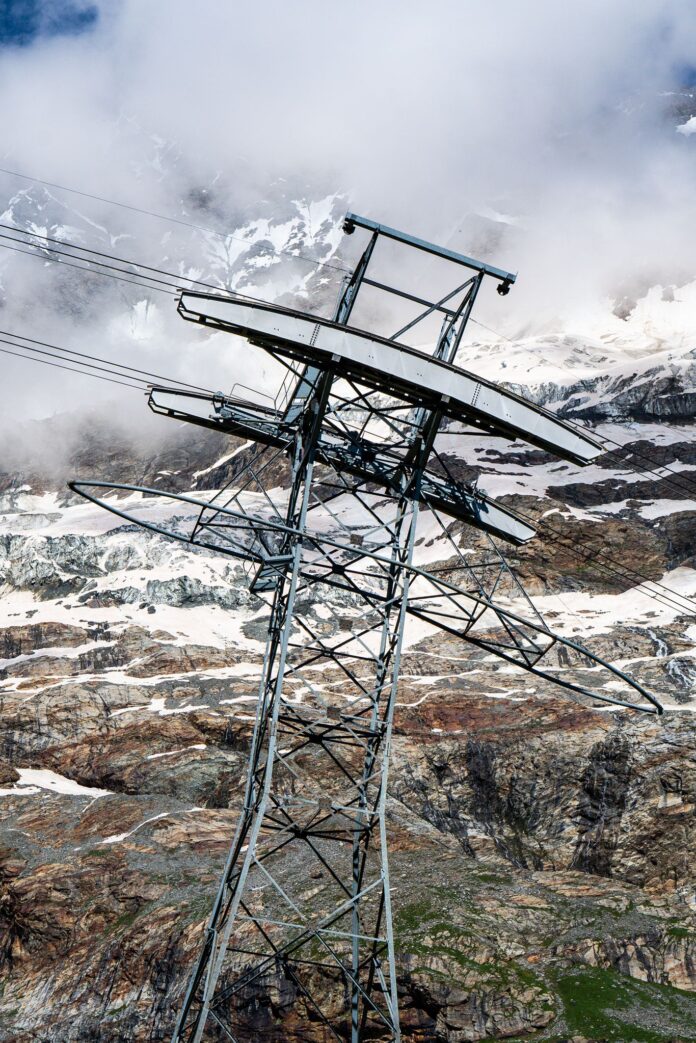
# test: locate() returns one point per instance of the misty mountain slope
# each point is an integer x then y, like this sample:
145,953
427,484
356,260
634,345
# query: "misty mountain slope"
543,852
559,839
50,290
275,251
639,367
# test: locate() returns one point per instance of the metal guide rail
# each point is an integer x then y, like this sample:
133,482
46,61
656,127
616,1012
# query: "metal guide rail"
365,459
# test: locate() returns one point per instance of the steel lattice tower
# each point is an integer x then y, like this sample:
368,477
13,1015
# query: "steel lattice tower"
354,436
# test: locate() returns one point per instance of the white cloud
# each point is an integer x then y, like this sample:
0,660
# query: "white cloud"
551,115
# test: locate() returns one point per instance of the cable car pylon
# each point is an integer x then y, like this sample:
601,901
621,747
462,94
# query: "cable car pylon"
325,518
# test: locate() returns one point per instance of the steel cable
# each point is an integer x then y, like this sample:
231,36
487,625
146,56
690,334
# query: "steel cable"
172,220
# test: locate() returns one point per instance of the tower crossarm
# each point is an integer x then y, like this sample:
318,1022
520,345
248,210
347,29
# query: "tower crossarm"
464,611
394,368
370,461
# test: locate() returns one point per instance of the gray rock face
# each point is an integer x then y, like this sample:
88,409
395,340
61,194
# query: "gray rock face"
541,850
651,396
185,590
559,841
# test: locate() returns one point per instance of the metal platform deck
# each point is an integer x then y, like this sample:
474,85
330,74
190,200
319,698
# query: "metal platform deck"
378,362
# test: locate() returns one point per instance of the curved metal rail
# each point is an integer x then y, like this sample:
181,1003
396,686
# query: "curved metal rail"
357,456
417,378
441,589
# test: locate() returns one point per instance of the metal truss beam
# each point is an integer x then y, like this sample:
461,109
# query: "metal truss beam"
353,220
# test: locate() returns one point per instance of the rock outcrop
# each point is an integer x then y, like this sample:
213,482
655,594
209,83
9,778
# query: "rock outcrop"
543,852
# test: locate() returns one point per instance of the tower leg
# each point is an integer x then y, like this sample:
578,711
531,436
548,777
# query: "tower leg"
315,800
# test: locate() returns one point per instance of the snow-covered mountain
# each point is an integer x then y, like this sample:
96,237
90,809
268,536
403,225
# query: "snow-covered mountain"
562,836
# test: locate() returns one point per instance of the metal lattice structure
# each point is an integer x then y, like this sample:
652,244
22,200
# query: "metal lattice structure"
325,516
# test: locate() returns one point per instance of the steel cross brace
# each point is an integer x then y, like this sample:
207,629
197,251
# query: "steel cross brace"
343,830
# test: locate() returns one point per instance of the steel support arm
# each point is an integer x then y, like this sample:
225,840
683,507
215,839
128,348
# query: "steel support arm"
355,221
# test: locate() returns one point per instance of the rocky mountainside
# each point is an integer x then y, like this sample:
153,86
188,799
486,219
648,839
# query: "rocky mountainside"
544,853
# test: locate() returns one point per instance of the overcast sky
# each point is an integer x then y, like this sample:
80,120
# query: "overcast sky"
552,118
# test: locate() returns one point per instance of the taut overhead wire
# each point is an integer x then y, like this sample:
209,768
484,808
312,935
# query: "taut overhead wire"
172,220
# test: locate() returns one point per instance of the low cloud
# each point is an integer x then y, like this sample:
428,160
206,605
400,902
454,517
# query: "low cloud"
540,136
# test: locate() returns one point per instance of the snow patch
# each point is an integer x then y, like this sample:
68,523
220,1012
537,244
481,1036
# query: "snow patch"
33,780
117,838
688,128
173,753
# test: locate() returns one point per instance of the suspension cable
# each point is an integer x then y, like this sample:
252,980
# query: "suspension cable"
172,220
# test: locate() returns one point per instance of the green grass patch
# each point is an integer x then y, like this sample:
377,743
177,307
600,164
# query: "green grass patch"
197,909
413,917
126,919
422,934
680,932
98,852
604,1004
